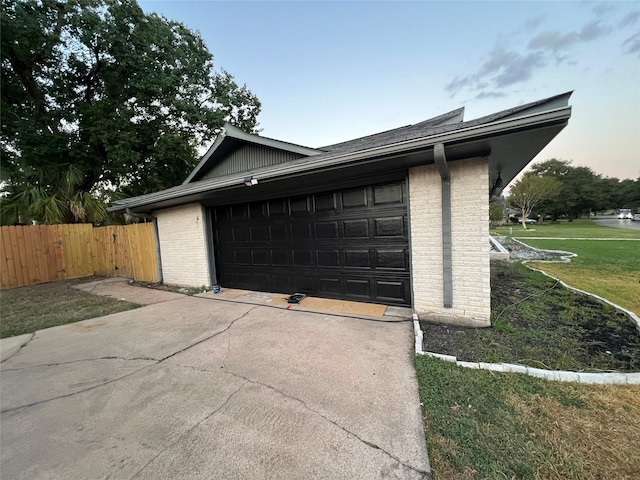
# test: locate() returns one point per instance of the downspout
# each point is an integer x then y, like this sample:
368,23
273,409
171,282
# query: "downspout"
154,220
447,258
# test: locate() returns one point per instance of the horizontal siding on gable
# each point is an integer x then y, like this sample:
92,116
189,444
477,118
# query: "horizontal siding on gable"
248,158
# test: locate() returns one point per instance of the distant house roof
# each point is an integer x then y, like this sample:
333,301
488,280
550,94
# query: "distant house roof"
510,138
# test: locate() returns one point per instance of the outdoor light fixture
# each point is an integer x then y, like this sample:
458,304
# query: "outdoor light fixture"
250,181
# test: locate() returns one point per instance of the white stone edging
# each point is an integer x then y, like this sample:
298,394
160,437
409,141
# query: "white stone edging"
565,256
497,245
417,332
554,375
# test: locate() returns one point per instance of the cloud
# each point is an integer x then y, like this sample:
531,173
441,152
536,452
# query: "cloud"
555,41
630,19
505,67
632,44
593,30
501,69
603,8
520,69
458,84
492,94
534,22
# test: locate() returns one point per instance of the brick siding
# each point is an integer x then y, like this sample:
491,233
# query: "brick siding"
183,245
470,232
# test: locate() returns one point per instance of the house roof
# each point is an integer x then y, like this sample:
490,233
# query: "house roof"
509,138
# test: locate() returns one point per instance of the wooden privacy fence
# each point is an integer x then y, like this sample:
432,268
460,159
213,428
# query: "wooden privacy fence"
47,253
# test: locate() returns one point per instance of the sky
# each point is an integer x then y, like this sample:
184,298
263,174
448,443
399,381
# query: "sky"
330,71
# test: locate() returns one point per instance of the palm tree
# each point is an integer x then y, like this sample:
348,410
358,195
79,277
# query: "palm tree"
49,196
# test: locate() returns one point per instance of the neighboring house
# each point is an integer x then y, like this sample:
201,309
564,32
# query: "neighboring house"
400,217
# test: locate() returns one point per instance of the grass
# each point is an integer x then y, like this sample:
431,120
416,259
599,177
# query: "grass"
537,322
487,425
484,425
608,268
577,229
28,309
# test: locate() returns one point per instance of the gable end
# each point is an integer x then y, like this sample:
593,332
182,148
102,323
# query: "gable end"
246,158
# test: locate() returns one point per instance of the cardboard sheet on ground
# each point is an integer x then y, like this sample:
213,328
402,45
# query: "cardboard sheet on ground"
329,305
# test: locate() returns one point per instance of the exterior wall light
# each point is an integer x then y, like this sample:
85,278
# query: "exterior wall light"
250,181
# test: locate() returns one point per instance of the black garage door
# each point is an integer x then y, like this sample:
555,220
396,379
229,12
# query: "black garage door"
349,244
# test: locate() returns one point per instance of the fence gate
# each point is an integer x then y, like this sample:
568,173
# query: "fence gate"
46,253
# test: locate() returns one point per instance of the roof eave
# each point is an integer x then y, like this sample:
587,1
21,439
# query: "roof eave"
465,134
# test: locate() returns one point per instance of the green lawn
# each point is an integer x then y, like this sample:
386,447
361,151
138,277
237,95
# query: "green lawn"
608,268
576,229
484,425
28,309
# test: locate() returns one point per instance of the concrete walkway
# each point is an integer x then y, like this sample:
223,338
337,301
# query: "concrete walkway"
119,288
196,387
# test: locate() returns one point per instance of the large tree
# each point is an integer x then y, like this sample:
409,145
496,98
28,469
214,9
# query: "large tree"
124,97
530,190
584,191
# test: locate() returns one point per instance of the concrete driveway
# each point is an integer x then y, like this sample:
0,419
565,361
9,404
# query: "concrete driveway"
203,388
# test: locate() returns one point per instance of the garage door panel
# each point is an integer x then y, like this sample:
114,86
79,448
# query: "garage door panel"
388,194
278,208
393,291
300,206
356,228
358,288
303,258
327,230
257,210
301,231
357,259
392,259
281,258
259,234
285,281
242,257
325,202
354,198
260,257
349,243
328,258
329,286
389,227
278,232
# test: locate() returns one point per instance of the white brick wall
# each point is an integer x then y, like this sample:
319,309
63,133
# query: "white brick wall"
470,232
183,246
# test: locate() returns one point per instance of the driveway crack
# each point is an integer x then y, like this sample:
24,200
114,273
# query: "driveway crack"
33,335
210,336
186,434
425,474
66,395
126,359
157,362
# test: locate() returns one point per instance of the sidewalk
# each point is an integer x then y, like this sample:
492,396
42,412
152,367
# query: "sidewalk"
120,289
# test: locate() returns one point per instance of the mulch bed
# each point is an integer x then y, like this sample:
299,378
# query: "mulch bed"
539,323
